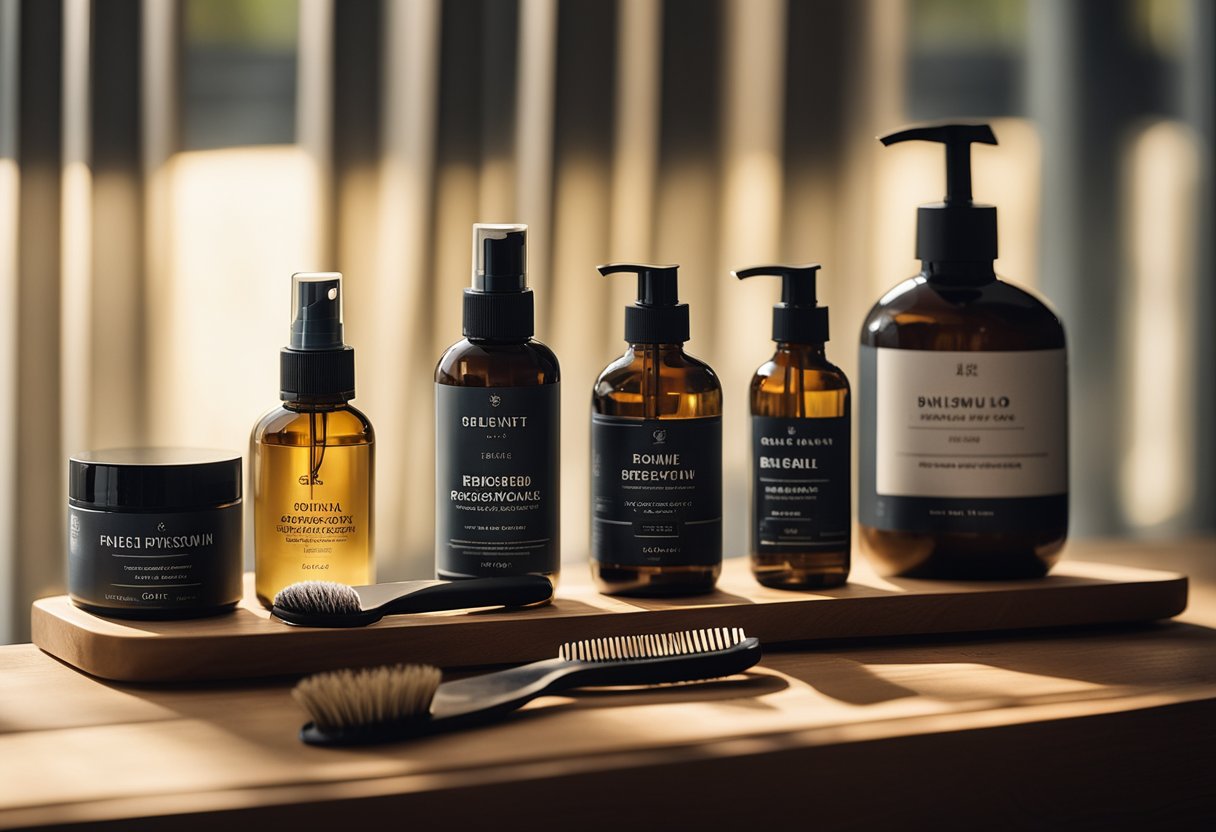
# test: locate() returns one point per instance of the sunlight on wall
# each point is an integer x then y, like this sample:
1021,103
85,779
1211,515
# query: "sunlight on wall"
241,222
1006,176
1158,467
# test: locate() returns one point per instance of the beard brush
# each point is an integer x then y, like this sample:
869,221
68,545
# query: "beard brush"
399,702
329,604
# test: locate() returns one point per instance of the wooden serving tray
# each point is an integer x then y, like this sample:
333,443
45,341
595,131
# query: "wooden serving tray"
249,643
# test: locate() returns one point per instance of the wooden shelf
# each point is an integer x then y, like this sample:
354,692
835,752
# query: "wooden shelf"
249,643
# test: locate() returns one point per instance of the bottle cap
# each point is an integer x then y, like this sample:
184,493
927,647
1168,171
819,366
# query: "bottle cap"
499,305
955,230
798,318
657,317
317,366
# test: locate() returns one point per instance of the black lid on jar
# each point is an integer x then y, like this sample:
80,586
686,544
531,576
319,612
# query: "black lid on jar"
141,479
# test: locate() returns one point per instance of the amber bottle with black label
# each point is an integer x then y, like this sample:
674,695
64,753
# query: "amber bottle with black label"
497,426
801,519
313,463
964,402
656,453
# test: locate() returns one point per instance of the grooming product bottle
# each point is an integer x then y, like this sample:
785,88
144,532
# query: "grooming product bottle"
313,455
801,519
656,453
497,426
964,401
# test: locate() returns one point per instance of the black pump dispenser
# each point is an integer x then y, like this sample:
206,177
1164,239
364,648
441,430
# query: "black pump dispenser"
499,306
956,230
657,317
798,319
317,366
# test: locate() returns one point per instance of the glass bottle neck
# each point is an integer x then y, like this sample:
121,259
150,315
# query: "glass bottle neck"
958,273
315,407
662,349
802,351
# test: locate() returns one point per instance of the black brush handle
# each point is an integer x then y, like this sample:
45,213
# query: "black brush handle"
514,591
480,698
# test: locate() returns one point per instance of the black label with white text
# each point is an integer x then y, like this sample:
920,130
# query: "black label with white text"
800,485
496,480
656,491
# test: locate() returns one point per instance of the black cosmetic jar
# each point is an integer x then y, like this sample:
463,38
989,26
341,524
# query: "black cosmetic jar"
155,532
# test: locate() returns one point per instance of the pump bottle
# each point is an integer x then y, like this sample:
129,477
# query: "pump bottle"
497,426
964,401
801,523
313,456
656,453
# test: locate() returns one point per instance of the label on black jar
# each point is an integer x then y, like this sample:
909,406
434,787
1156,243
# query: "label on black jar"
656,491
165,561
497,480
800,485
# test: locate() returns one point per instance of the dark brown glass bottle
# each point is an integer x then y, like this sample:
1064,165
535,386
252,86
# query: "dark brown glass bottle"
801,519
656,444
964,394
497,402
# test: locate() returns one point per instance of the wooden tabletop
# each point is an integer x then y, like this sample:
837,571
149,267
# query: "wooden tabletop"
1100,725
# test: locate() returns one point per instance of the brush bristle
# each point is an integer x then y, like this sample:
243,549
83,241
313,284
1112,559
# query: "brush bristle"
345,699
653,646
318,598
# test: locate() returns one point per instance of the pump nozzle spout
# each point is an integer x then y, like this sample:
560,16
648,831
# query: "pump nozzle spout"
656,284
797,282
958,139
657,317
798,319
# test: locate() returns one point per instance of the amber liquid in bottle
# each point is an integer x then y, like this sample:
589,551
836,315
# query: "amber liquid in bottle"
657,381
313,481
490,364
965,310
798,382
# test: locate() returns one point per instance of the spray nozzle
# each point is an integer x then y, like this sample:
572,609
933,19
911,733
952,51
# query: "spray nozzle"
657,317
316,315
316,365
798,318
500,257
956,230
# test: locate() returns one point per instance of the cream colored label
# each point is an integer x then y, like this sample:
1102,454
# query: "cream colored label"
971,424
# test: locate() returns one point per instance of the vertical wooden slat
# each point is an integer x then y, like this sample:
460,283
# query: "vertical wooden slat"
534,142
314,117
114,358
582,217
749,228
1196,82
10,201
39,509
76,222
401,402
499,92
1076,53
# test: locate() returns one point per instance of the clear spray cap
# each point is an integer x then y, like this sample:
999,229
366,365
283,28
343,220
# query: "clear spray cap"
500,257
316,313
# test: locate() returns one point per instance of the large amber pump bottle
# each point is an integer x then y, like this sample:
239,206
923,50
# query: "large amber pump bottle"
656,452
312,456
801,521
964,401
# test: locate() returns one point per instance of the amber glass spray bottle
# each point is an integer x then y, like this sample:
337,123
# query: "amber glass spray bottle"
801,515
312,456
656,453
498,426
